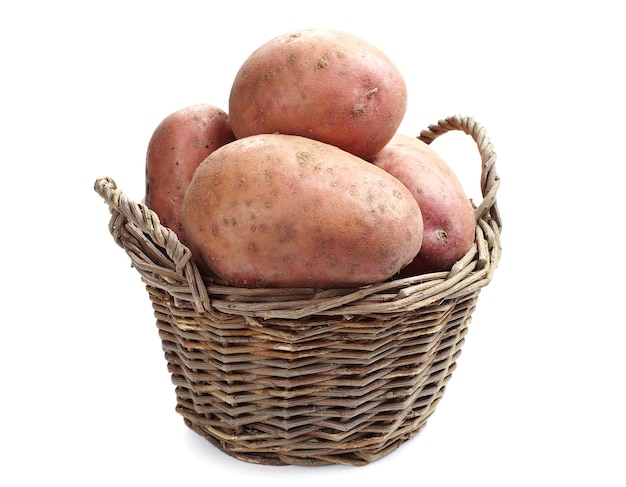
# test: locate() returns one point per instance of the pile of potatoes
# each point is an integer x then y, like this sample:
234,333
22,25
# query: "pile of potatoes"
305,181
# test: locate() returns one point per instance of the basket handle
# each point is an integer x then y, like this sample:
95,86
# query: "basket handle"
490,181
177,256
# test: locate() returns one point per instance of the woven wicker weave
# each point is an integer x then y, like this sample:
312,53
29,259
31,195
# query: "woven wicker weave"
308,376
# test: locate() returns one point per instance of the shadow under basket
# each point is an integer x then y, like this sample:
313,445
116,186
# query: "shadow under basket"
309,376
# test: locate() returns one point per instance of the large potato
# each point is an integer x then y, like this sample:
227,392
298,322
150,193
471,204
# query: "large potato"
324,84
448,214
276,210
177,147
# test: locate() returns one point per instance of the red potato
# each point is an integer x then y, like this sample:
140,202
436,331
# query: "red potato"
448,214
276,210
177,147
323,84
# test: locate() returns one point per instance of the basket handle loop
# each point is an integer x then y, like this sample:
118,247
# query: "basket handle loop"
147,221
490,181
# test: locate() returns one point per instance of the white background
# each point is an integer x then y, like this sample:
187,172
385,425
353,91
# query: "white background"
538,397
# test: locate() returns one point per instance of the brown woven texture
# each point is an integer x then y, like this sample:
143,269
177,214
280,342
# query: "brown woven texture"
309,376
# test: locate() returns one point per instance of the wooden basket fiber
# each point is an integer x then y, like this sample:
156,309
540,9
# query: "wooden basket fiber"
309,376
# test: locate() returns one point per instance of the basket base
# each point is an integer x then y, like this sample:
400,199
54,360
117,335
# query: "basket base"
356,458
355,413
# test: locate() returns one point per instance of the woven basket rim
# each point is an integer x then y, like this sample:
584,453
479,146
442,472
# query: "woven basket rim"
165,263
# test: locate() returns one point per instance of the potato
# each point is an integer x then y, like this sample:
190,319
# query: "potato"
448,214
276,210
178,145
323,84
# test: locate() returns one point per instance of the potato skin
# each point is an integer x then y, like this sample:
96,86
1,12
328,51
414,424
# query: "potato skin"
448,214
275,210
177,147
324,84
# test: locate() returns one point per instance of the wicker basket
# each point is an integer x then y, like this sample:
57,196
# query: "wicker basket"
309,376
